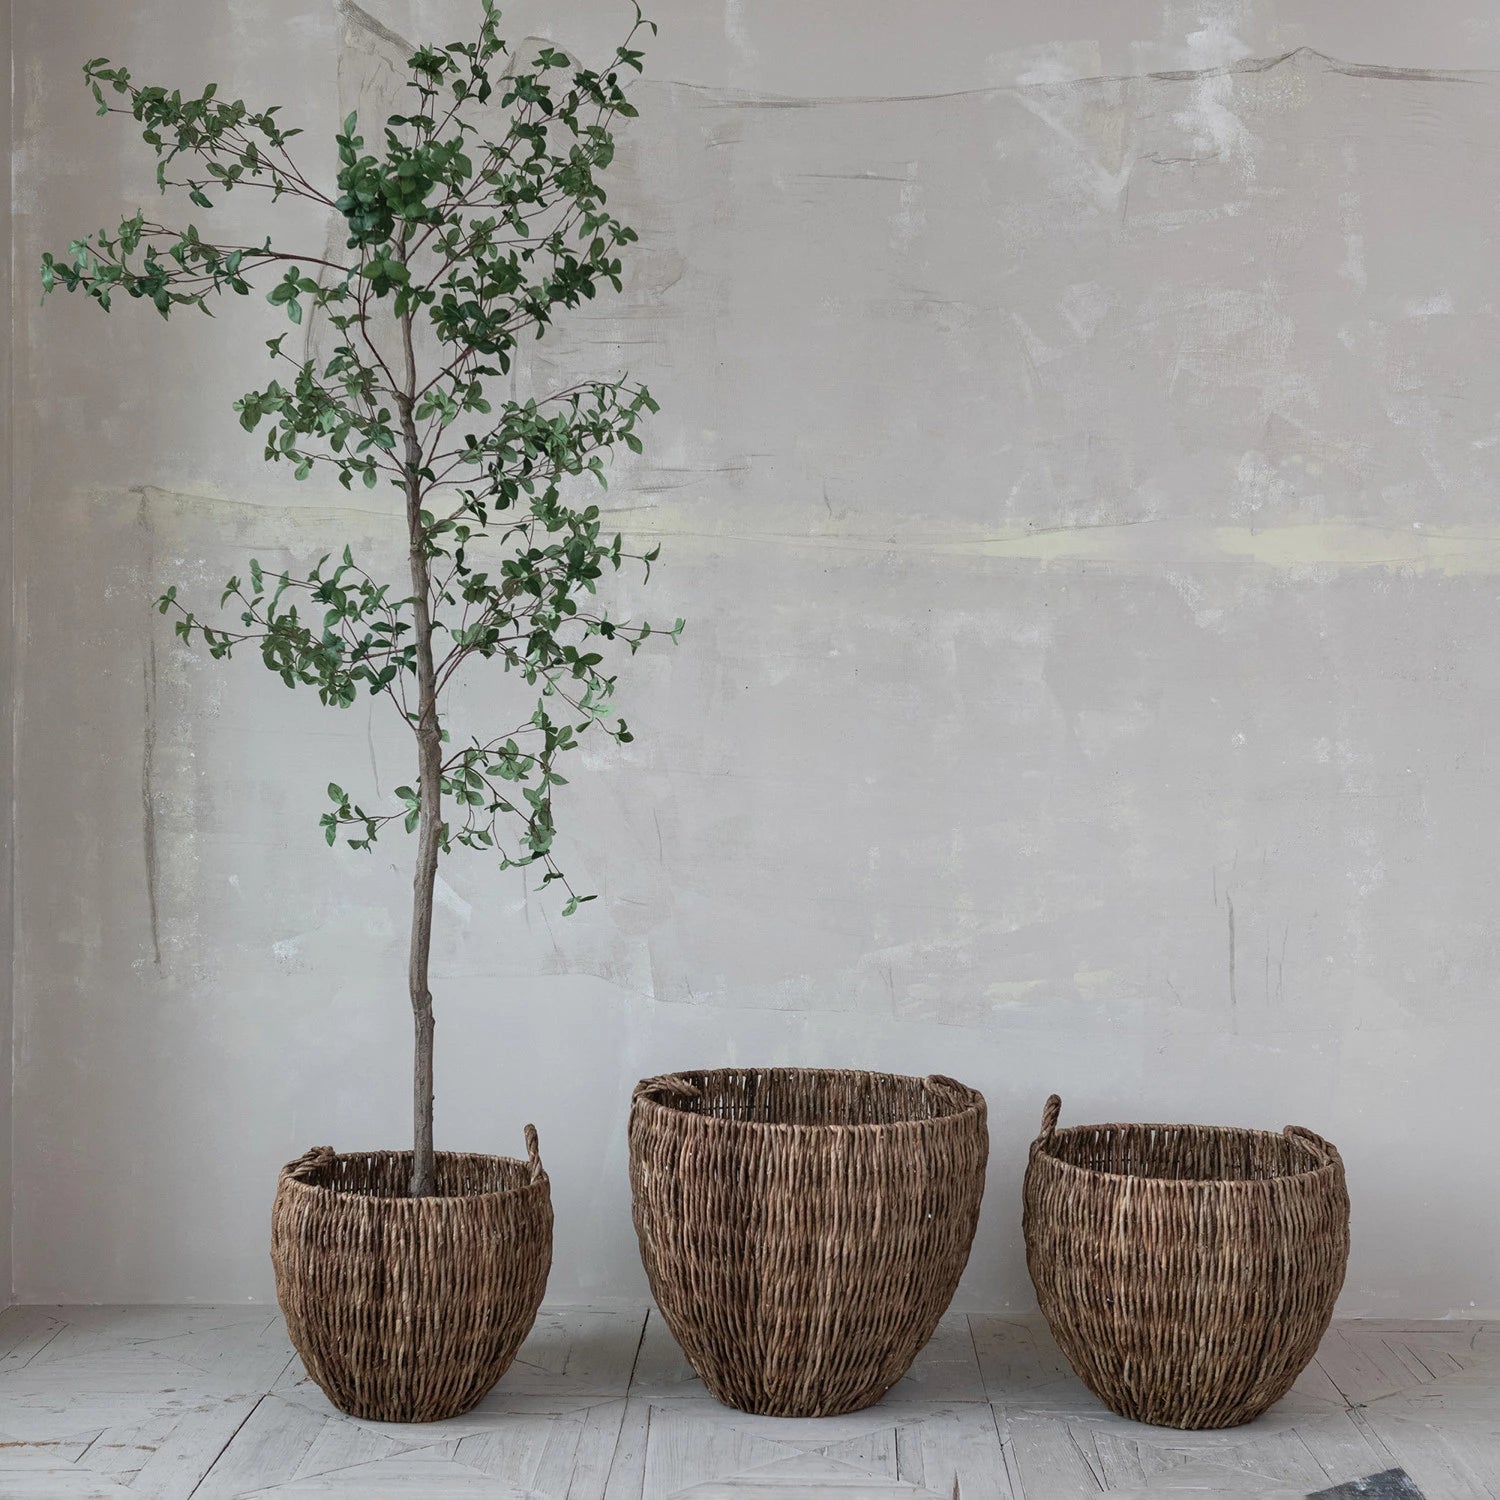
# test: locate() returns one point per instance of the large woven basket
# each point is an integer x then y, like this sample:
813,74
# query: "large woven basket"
409,1309
1188,1272
804,1230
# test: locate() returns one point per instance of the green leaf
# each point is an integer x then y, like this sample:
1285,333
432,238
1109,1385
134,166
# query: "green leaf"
513,228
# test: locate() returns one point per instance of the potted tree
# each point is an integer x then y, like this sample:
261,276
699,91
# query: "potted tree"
409,1279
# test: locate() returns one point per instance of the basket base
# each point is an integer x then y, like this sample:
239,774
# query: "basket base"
408,1412
1183,1422
767,1406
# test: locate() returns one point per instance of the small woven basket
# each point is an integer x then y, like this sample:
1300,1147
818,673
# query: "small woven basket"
803,1230
409,1309
1188,1272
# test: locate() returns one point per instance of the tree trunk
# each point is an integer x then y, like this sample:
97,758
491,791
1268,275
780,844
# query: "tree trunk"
429,790
429,829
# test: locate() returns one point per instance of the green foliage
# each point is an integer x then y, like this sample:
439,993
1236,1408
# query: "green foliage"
479,239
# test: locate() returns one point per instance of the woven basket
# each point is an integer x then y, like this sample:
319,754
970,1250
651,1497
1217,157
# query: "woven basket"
1188,1272
409,1309
804,1230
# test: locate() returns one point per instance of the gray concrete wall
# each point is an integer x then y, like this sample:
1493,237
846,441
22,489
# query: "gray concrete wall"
1077,466
7,681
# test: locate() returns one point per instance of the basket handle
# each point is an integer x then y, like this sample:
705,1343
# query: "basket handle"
318,1159
1050,1111
671,1084
534,1155
1324,1148
936,1081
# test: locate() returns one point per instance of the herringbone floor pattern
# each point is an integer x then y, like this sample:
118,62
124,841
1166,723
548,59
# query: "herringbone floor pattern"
208,1402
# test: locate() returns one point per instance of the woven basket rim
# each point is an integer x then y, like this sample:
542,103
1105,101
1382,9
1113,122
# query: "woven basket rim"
540,1183
1041,1150
974,1105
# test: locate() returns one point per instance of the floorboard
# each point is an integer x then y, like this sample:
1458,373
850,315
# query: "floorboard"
211,1403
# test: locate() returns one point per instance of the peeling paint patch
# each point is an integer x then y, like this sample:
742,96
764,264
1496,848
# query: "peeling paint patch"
358,22
451,901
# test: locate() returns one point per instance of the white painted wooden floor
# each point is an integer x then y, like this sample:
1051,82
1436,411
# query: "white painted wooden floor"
117,1403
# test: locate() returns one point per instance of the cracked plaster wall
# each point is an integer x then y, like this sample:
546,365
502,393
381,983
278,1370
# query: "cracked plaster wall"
7,659
1077,467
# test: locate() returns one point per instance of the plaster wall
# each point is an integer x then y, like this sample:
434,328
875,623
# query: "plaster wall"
7,683
1077,467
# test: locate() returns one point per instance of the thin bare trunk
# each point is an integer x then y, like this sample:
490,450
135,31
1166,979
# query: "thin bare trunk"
429,789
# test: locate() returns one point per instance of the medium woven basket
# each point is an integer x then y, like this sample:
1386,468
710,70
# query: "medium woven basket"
409,1309
1188,1272
803,1230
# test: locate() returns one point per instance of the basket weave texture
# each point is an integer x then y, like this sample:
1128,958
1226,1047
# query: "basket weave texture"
1188,1272
803,1230
409,1309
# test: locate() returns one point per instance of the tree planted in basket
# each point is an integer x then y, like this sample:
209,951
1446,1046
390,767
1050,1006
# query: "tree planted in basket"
463,237
473,242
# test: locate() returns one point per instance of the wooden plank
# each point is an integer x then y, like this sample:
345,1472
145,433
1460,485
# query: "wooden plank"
1054,1461
251,1353
26,1330
266,1452
1239,1458
1214,1494
578,1351
1341,1447
406,1476
531,1453
594,1454
107,1389
342,1444
911,1460
16,1453
93,1331
1315,1388
1441,1462
190,1447
810,1477
1121,1461
1020,1364
549,1452
626,1478
1357,1360
110,1401
143,1322
122,1452
961,1455
63,1482
693,1444
947,1369
661,1368
873,1452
